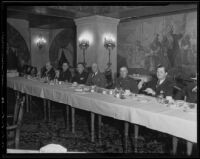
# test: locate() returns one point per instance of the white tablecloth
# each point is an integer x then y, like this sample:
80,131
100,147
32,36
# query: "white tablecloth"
32,151
150,114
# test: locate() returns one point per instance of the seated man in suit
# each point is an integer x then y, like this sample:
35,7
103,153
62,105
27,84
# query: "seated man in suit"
28,70
190,92
48,71
33,72
81,75
96,77
108,76
65,74
125,82
158,85
21,68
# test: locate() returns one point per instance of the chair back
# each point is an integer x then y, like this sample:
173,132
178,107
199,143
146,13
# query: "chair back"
18,112
21,110
16,109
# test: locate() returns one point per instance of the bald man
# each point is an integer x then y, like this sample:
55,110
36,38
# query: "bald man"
96,77
126,83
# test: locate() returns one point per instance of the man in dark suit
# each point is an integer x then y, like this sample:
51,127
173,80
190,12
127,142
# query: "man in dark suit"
48,71
125,82
65,74
191,93
96,77
81,75
159,85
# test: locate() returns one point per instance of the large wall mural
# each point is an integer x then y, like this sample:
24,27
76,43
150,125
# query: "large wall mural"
169,40
17,49
63,48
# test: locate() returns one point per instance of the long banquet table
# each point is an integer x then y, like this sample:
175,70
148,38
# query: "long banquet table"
22,151
150,114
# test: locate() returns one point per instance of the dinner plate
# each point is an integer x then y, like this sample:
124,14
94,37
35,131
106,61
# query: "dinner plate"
140,95
173,106
78,90
81,85
142,100
190,107
86,89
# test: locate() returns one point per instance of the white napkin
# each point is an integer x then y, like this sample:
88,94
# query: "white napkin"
53,148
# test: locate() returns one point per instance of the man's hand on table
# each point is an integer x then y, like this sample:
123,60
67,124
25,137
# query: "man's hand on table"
150,91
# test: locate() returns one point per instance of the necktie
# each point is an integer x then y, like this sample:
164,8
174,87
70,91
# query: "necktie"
93,75
158,83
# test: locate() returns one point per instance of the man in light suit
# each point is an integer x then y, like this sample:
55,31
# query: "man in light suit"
96,77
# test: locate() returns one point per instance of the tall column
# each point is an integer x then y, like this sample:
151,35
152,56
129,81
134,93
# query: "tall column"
95,29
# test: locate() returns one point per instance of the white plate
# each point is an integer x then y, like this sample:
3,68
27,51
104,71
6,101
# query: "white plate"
140,95
78,90
142,100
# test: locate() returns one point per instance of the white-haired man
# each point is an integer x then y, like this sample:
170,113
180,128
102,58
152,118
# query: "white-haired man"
96,77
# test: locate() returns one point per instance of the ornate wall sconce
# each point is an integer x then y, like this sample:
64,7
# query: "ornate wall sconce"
41,41
109,44
84,44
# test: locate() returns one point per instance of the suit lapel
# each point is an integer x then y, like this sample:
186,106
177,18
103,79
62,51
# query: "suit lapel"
159,86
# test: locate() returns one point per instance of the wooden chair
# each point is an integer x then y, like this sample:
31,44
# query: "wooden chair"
13,131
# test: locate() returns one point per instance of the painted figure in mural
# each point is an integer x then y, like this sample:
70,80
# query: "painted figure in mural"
173,48
164,47
136,55
65,54
186,48
153,58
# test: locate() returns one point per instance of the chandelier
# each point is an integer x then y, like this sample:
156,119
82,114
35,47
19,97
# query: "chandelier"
109,44
41,41
84,44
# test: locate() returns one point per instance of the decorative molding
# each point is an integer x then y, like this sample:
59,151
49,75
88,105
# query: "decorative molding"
95,19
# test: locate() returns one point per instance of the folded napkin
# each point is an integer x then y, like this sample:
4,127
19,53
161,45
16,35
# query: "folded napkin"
53,148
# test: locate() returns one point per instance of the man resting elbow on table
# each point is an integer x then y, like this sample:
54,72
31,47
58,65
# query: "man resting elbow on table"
161,85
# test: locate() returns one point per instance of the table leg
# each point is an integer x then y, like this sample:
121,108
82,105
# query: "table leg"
73,120
67,117
175,143
27,103
49,109
99,129
136,132
92,126
126,127
189,148
30,105
17,95
45,109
